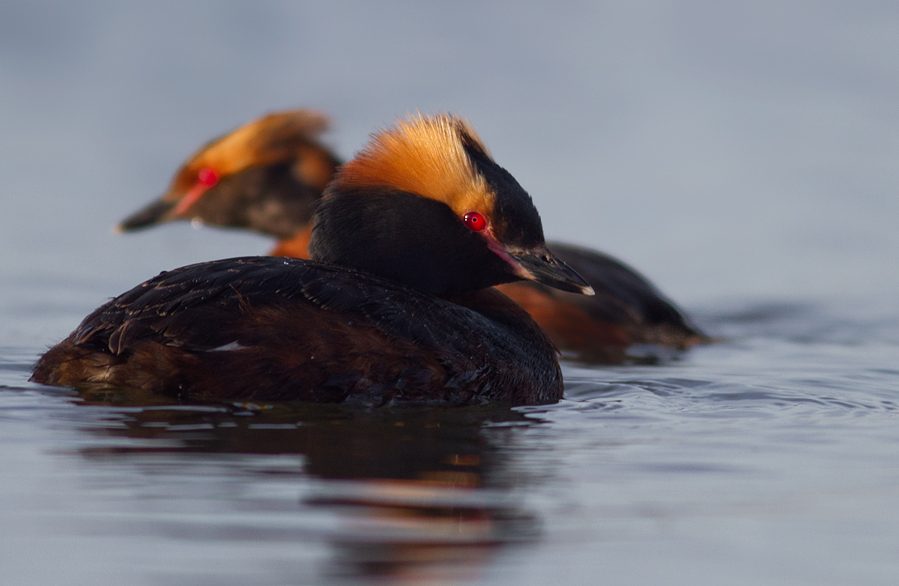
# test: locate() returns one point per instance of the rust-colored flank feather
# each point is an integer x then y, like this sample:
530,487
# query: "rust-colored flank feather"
295,247
425,156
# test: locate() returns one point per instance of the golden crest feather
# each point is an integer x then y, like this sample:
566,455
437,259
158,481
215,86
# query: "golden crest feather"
424,155
273,137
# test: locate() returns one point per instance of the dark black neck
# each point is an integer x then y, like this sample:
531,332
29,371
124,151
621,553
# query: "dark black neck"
406,238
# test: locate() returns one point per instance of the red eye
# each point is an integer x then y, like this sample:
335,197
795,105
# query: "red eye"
475,221
207,177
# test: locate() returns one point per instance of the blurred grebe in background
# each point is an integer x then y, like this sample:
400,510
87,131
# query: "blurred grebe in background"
267,175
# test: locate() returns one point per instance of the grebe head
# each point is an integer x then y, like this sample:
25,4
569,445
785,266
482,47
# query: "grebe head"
425,204
200,188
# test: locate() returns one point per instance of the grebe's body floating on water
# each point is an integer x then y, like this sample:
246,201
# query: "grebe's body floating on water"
266,175
395,306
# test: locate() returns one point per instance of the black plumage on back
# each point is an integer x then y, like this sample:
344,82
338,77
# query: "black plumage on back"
234,316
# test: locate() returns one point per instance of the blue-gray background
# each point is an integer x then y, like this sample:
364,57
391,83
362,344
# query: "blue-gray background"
743,156
725,150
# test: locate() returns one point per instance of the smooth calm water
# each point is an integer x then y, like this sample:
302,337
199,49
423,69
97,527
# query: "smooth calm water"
770,459
744,158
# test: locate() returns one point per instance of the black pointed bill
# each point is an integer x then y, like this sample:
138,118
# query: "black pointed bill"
541,266
156,213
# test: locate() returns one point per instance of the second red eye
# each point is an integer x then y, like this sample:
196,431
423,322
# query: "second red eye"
475,221
207,177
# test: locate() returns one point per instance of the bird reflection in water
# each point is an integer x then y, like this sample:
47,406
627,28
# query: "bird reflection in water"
417,494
